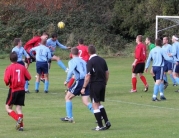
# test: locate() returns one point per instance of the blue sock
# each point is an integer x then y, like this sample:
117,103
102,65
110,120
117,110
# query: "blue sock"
177,80
60,63
161,89
26,85
156,89
90,107
69,109
173,80
37,85
165,77
46,84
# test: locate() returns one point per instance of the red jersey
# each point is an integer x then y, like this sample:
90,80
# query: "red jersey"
83,52
35,41
140,53
15,76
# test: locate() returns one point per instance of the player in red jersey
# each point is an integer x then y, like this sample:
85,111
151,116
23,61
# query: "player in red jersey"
15,76
139,64
83,53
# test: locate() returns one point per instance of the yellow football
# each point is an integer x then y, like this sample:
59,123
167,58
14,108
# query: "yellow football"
61,25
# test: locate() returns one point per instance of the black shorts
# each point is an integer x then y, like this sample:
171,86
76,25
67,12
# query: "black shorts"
97,91
32,59
16,98
139,68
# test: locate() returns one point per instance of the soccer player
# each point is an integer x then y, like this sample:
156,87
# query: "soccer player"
97,75
15,76
158,55
52,43
77,66
20,53
168,65
42,56
139,64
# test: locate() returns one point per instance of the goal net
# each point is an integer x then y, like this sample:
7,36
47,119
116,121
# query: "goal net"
174,22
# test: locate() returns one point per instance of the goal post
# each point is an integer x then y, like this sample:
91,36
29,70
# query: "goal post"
174,19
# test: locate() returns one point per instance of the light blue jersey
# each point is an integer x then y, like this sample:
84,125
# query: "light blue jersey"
51,43
20,53
175,51
158,55
42,53
77,66
167,48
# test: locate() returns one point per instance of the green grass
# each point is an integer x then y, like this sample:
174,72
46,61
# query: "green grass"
132,115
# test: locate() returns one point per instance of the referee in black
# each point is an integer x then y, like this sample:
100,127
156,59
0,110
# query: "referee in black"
97,77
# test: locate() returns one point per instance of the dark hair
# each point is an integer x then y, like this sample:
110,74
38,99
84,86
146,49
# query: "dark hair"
139,38
91,49
166,37
80,41
13,56
158,42
74,51
54,35
16,41
44,33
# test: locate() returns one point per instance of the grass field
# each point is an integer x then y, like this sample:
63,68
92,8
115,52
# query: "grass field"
132,115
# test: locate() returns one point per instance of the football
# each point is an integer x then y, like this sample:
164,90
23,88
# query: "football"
61,25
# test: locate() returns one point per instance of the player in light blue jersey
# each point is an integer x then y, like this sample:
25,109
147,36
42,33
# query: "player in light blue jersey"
42,56
175,55
20,51
158,55
52,43
168,66
77,67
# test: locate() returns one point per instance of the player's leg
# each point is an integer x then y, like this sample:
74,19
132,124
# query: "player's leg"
45,70
59,62
39,72
170,69
153,75
71,81
142,77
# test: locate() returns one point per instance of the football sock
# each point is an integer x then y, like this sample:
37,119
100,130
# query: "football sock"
177,80
69,109
98,116
103,113
173,80
154,78
26,85
14,115
37,85
90,107
134,82
21,115
161,89
165,77
60,63
156,89
143,80
46,84
70,83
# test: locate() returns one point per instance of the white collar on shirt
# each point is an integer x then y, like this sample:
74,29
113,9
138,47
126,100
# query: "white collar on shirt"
92,56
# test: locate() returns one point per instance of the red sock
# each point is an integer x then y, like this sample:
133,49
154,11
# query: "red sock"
134,82
143,80
70,83
14,115
21,115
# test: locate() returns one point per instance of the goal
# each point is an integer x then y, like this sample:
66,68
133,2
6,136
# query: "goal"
173,19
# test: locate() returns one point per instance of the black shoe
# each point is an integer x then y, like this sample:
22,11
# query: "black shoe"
36,91
99,128
146,88
108,125
27,91
21,129
162,98
174,84
177,90
67,119
165,85
155,99
45,91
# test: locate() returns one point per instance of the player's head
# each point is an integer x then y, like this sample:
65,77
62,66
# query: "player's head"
80,41
13,57
158,42
174,38
165,40
91,49
139,39
148,40
54,36
44,36
17,42
74,51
